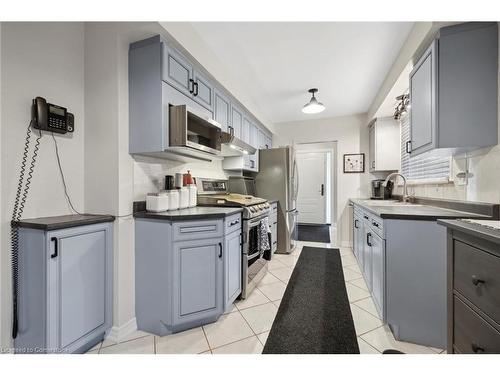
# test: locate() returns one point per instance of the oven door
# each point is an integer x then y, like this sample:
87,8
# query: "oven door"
253,244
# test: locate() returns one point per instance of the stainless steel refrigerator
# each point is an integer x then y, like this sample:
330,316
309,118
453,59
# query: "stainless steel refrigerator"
278,179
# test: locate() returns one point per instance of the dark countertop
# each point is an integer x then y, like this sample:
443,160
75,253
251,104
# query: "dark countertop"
416,212
64,221
193,213
272,201
474,229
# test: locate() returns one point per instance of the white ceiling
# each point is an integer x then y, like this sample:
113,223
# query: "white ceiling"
278,62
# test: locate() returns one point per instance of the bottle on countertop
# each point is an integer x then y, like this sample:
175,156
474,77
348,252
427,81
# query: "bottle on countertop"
173,196
193,195
187,179
183,197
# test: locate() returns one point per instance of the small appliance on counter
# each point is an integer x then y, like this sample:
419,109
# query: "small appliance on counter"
381,192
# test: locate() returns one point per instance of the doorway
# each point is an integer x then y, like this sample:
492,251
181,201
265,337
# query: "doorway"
311,198
314,199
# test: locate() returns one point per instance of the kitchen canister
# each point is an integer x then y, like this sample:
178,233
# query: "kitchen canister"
183,197
193,191
173,196
179,180
157,202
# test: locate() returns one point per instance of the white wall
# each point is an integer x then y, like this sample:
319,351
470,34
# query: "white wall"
39,59
351,135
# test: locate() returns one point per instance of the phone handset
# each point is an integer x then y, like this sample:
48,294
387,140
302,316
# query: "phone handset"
51,117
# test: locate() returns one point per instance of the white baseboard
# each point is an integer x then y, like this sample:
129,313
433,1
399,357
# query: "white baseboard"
117,334
346,244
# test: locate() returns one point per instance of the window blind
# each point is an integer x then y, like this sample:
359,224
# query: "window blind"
422,167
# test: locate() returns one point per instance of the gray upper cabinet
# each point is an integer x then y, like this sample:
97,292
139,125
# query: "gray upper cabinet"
202,90
160,75
454,90
197,274
65,288
236,121
245,130
222,110
423,102
384,144
177,71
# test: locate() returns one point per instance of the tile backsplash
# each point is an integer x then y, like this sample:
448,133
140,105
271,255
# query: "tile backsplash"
483,185
149,173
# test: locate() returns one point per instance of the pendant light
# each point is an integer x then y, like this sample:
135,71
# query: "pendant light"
313,106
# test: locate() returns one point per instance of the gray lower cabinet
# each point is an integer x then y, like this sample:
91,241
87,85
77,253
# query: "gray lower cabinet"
232,268
367,254
473,292
404,265
378,272
197,280
222,111
455,84
65,288
187,272
273,222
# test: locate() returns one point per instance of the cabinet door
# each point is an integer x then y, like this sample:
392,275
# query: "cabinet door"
372,147
367,254
197,280
378,269
177,71
236,121
222,110
77,285
245,130
232,268
355,236
203,92
423,103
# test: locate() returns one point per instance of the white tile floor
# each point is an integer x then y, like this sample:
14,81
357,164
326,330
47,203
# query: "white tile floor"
244,330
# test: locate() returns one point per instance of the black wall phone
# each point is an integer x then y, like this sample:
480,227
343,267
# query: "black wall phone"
44,116
51,117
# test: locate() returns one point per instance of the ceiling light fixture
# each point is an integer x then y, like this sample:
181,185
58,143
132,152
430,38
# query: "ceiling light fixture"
313,106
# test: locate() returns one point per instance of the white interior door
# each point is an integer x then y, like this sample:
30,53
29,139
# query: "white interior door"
311,200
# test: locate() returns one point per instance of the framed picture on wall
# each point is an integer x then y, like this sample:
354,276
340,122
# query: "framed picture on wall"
354,163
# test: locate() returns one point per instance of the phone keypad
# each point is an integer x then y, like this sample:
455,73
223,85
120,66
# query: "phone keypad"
57,123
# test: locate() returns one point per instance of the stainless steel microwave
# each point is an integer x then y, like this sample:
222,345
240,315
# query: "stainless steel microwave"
188,129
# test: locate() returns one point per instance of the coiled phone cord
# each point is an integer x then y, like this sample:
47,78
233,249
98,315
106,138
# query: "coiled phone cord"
19,202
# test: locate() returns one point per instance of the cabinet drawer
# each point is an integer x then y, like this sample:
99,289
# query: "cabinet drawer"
476,276
193,230
377,225
472,334
232,223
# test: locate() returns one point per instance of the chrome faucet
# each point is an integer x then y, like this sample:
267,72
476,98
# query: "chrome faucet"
406,197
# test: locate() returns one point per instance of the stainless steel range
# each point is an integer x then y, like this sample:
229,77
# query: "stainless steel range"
215,193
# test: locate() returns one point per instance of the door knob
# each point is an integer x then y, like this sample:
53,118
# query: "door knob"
476,281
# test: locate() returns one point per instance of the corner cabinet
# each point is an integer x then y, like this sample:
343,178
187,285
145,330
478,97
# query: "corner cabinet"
384,145
65,288
188,272
454,91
